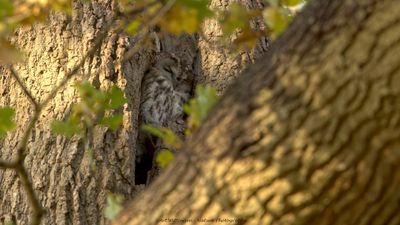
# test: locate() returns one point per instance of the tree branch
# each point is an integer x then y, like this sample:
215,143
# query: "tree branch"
7,164
18,164
23,87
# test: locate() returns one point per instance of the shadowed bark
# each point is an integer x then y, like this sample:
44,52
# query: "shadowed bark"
59,168
308,135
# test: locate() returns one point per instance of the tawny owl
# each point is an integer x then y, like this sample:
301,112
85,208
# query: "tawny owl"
166,87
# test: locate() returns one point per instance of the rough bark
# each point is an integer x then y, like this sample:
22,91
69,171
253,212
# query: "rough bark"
68,189
60,172
312,137
218,65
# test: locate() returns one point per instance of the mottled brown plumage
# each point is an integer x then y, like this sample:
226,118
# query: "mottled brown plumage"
166,87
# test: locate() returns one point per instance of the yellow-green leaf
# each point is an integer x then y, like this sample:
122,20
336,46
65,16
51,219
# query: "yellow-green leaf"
6,8
199,107
113,122
114,205
6,120
133,26
67,129
164,158
115,98
291,2
165,134
277,20
180,19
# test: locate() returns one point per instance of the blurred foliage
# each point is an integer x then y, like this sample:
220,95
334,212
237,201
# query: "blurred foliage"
277,19
114,205
164,158
98,107
198,108
170,139
174,16
236,20
16,13
280,13
6,120
185,16
91,110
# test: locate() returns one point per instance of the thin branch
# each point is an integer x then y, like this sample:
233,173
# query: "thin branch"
18,165
7,164
145,30
39,107
99,40
37,208
23,87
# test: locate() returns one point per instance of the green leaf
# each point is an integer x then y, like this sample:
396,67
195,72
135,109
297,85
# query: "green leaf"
67,129
6,120
62,5
113,122
133,26
165,134
91,96
114,205
91,109
274,3
199,107
116,98
6,8
292,2
236,18
200,5
186,16
277,20
164,158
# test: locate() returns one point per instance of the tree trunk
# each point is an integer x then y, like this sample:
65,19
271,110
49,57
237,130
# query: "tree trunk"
218,65
69,191
313,137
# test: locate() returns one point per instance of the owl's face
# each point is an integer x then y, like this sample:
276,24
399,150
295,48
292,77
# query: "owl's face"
172,70
169,66
184,81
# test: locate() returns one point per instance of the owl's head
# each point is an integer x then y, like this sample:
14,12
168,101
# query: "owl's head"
169,65
186,76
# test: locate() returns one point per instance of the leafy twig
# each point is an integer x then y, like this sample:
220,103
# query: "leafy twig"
18,164
145,30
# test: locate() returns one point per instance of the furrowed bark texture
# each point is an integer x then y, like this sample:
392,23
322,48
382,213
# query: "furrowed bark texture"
69,191
60,170
313,137
218,65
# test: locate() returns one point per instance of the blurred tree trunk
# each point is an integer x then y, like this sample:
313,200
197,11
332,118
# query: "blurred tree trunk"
308,135
69,191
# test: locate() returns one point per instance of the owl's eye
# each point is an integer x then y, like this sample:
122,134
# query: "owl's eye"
168,69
